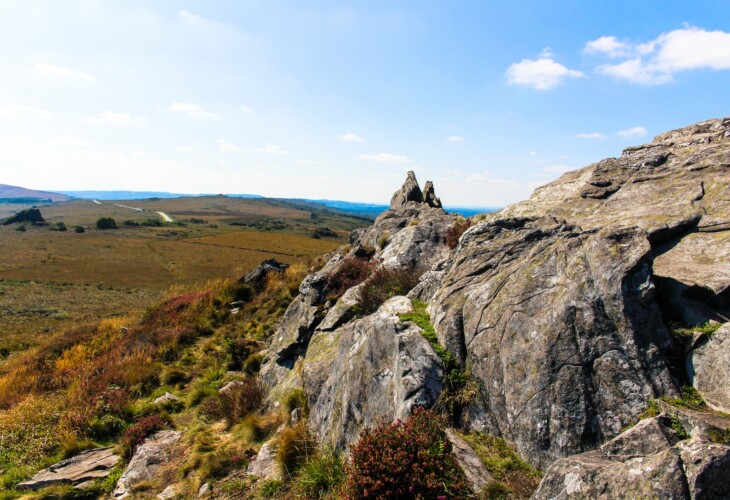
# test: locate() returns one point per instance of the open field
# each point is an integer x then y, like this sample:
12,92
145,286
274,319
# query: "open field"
53,279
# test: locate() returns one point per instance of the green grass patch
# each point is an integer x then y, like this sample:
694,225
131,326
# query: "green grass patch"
690,399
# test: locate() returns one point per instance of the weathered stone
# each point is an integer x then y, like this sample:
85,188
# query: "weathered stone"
32,215
549,317
146,460
474,470
168,492
257,277
367,369
230,388
166,398
409,192
264,466
83,468
204,491
711,367
429,196
648,461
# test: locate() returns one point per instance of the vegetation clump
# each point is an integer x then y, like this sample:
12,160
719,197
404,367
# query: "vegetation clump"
454,232
459,386
382,284
351,272
410,459
106,223
690,399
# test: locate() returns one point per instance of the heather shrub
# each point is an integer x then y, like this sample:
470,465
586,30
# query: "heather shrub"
351,271
405,460
137,433
454,232
383,284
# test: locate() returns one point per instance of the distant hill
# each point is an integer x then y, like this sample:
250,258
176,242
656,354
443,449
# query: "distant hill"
368,210
17,194
140,195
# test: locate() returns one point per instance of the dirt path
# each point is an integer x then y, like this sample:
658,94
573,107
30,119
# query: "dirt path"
165,217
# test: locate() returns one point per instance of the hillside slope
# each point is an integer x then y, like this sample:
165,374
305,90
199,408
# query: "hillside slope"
16,192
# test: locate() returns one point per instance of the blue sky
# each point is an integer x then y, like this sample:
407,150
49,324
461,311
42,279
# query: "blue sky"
339,99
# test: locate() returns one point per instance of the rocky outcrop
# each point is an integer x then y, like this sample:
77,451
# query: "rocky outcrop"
710,364
85,467
31,215
145,461
257,277
557,308
648,461
410,192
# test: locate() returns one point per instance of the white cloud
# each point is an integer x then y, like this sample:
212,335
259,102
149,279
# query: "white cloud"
115,118
227,147
192,109
312,162
184,149
246,109
386,158
657,61
271,150
632,132
350,137
608,45
593,135
542,74
454,138
62,73
14,111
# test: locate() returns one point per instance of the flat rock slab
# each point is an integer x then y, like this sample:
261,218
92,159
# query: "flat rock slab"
84,467
146,460
474,470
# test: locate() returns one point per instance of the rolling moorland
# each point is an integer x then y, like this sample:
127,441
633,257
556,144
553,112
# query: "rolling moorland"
574,345
53,276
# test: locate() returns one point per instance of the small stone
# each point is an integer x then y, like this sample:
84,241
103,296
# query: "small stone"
166,398
168,492
204,490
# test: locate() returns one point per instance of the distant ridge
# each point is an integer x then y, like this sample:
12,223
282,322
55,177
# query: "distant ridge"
369,210
17,194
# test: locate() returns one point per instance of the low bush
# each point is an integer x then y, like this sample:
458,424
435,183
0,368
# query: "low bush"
79,229
405,460
454,232
106,223
383,284
137,433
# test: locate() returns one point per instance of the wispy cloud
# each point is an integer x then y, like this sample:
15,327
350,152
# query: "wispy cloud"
227,147
115,118
592,135
541,74
193,110
62,73
271,150
350,137
632,132
454,138
312,162
184,149
14,111
246,109
386,158
657,61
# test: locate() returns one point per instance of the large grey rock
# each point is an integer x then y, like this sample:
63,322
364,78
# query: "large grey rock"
146,460
370,368
561,326
264,466
648,461
711,366
429,196
84,467
257,276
